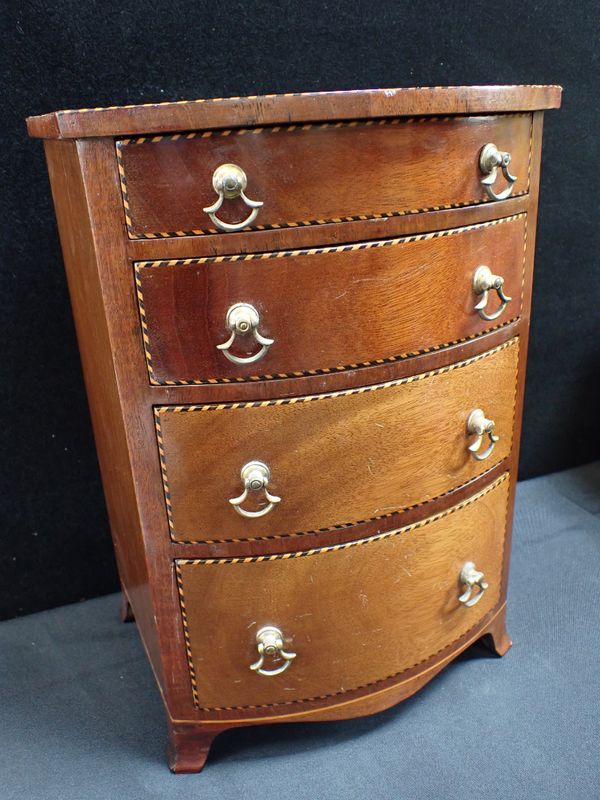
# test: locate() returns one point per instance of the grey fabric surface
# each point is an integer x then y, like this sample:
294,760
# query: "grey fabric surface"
81,718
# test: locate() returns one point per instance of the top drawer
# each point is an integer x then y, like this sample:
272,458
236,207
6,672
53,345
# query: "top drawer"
314,174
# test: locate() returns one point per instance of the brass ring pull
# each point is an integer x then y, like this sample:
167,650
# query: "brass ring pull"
483,281
269,642
255,477
470,577
490,159
229,181
243,319
478,424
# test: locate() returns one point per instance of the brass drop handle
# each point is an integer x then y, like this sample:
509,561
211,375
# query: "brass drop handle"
242,319
479,425
229,181
483,281
255,477
269,642
469,578
490,160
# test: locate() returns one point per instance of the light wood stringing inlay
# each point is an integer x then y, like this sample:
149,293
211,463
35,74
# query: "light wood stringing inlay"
355,614
335,458
317,304
327,173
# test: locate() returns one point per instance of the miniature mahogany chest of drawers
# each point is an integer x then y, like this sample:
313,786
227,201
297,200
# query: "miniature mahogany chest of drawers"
303,323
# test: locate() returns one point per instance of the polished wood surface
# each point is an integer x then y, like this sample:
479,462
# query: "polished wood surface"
368,453
353,615
310,175
331,233
328,309
86,267
188,747
189,742
100,259
294,107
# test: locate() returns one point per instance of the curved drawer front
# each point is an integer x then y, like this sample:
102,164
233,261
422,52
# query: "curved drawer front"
350,616
314,174
327,308
333,459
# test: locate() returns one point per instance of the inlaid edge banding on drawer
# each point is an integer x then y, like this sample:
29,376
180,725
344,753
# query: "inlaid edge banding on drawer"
163,263
293,94
291,128
158,410
319,551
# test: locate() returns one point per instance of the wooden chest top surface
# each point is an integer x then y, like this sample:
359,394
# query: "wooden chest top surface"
289,108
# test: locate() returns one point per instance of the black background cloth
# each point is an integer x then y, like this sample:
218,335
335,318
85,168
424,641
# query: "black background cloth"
66,54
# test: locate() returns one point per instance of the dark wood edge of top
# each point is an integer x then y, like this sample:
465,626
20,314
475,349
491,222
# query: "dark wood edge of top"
218,113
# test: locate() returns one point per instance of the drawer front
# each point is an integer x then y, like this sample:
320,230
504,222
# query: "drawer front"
314,174
327,308
353,615
332,459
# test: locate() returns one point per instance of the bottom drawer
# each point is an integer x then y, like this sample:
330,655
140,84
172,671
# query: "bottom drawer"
353,614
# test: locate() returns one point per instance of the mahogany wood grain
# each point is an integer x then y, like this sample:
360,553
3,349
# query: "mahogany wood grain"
327,381
341,534
99,258
368,453
536,157
86,266
188,747
104,308
399,596
327,234
294,107
318,306
306,175
320,235
367,700
189,742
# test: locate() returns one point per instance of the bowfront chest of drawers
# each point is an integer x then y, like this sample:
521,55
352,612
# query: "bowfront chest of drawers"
303,323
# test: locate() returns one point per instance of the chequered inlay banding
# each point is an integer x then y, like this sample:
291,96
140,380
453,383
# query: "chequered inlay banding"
159,410
282,254
390,91
314,552
290,129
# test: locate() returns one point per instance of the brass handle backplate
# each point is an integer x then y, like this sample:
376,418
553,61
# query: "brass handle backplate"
490,160
242,319
479,425
483,281
255,477
469,578
229,181
269,642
